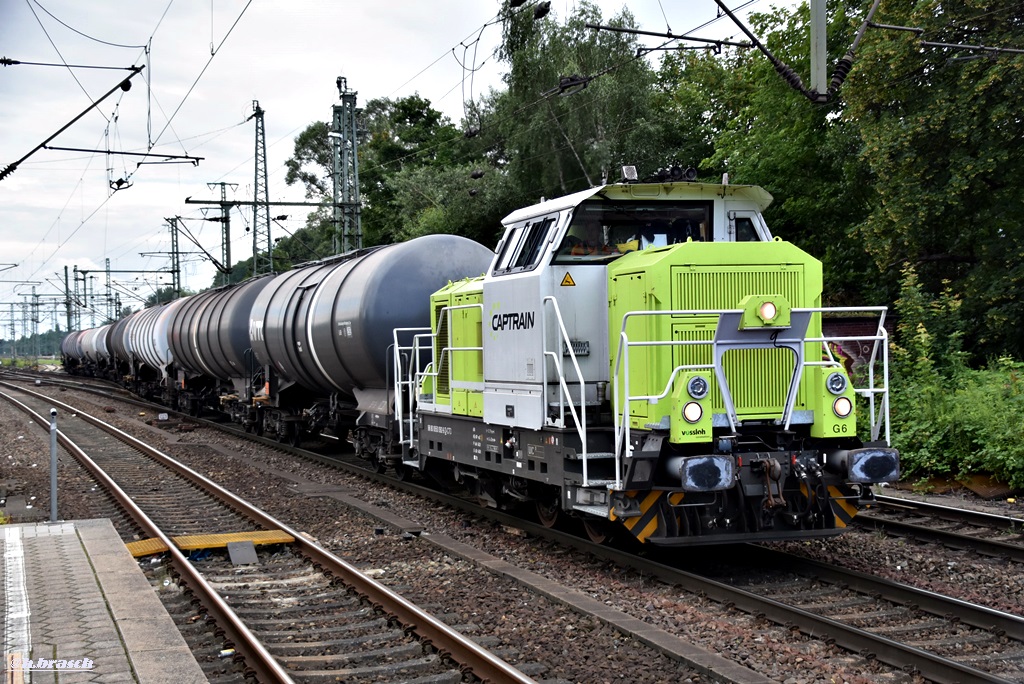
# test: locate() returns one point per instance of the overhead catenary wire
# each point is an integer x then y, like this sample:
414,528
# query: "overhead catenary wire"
105,201
84,35
465,81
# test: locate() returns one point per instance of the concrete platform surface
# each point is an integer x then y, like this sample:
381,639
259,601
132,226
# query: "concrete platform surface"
78,608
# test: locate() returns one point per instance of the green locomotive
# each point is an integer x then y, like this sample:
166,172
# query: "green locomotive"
646,357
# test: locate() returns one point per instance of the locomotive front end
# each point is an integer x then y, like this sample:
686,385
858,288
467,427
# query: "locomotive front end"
736,416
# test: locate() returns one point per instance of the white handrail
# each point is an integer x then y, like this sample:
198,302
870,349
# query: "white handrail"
878,416
415,376
581,420
408,381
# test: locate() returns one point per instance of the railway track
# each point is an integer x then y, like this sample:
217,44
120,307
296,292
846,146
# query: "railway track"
941,640
991,535
284,609
918,631
936,637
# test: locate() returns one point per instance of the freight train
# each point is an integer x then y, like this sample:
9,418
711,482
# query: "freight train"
644,357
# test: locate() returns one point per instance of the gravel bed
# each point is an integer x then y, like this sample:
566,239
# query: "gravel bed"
479,599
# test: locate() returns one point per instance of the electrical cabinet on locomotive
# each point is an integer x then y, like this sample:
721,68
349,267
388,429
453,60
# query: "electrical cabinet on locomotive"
646,357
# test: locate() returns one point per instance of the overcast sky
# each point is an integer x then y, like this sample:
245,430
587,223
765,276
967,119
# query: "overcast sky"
57,208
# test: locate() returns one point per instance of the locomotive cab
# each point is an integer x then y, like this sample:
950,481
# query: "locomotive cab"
547,288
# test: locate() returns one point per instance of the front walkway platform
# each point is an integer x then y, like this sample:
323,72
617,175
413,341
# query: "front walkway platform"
78,608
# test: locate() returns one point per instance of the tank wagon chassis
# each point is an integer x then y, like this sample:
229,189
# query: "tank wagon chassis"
646,358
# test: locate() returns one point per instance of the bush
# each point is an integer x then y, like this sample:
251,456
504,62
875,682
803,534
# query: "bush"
949,420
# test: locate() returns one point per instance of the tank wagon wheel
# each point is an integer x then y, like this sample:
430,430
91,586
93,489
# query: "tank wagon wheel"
548,512
598,531
295,437
377,462
248,427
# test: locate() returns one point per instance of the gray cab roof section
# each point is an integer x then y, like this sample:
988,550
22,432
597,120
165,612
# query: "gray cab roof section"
645,191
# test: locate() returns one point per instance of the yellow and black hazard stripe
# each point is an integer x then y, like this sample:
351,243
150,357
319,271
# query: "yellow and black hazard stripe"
646,524
842,507
842,510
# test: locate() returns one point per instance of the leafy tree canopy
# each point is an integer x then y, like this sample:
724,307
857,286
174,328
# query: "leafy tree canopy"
941,131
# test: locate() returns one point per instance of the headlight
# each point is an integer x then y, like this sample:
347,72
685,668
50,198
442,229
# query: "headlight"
836,383
697,387
842,407
767,311
692,412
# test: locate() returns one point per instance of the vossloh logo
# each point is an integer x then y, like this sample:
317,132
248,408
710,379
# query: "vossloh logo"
50,664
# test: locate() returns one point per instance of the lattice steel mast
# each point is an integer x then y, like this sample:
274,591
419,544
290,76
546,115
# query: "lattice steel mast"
262,254
348,232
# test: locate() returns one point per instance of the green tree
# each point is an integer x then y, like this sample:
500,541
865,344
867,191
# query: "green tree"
400,134
701,92
806,155
942,130
577,106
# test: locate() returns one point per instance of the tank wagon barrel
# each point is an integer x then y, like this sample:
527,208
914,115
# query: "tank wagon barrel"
209,333
327,326
94,344
147,336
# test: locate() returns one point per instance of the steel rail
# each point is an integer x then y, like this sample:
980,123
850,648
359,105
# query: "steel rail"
451,644
257,658
930,666
968,613
956,540
952,512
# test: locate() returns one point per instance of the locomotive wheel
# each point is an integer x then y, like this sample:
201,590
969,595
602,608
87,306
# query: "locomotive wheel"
599,531
548,513
403,472
248,427
295,438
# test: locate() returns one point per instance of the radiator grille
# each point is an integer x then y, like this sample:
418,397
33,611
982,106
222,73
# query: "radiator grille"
758,378
706,289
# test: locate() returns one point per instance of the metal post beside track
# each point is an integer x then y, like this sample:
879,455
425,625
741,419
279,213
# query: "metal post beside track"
53,465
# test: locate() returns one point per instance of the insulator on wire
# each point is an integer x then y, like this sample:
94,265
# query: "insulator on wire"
841,72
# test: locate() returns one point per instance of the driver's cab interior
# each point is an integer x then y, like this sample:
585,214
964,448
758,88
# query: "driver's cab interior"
602,230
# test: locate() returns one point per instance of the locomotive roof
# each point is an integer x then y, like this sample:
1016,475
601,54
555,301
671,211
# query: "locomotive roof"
645,191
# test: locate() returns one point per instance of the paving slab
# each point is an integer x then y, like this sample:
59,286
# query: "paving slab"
77,605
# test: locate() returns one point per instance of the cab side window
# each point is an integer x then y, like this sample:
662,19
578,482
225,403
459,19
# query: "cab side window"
524,246
745,231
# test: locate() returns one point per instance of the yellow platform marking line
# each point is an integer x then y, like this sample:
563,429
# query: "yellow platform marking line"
146,547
